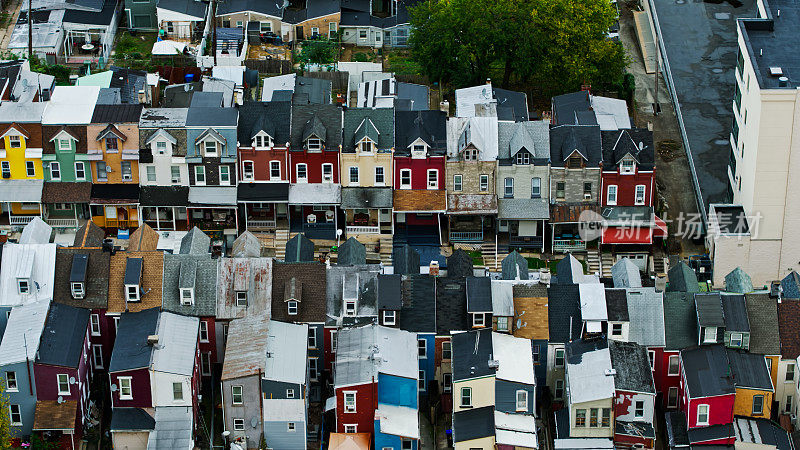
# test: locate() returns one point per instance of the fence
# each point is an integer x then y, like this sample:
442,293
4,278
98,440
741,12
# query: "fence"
277,66
339,80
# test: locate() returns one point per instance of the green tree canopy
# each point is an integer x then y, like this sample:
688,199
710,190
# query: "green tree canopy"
556,44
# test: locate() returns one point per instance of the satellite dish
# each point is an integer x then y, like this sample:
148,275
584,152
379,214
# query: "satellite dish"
253,421
108,168
114,388
60,400
71,380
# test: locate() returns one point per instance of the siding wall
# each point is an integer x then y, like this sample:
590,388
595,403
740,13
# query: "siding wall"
522,175
506,396
140,384
23,396
250,407
279,438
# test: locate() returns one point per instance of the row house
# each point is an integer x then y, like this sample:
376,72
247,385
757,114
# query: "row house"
680,325
634,396
376,385
263,189
495,391
366,170
62,374
156,367
21,161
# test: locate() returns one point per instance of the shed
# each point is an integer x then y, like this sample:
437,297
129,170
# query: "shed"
514,267
299,249
352,253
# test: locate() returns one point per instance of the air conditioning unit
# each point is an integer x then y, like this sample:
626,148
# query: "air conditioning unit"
587,196
127,177
176,180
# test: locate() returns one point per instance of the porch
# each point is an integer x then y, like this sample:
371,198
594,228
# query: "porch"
82,46
265,217
469,228
20,201
315,221
213,219
368,221
65,215
418,229
165,218
566,238
121,217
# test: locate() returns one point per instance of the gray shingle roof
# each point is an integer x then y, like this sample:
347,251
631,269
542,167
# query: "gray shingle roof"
749,370
451,306
523,208
682,279
709,310
707,371
472,352
328,122
514,267
566,139
131,419
617,305
473,423
199,271
366,197
680,323
534,136
377,124
564,308
352,253
133,352
762,313
195,242
646,312
738,281
430,126
479,295
246,245
459,264
791,285
626,274
418,313
299,249
632,365
405,260
390,295
735,313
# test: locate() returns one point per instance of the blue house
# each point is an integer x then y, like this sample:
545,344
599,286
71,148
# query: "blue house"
418,315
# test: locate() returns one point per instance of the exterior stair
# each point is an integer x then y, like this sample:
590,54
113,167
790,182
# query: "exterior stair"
488,253
606,262
593,261
386,245
281,238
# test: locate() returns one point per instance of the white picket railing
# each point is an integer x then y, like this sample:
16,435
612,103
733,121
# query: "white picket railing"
62,223
261,224
356,229
568,245
20,220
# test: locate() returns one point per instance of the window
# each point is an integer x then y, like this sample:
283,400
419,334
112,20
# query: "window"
238,424
205,362
616,329
203,331
594,414
94,321
575,162
366,146
161,147
672,397
758,405
502,324
389,317
447,382
470,154
14,141
790,372
559,357
312,369
265,27
290,427
312,337
638,409
333,341
224,175
580,418
350,402
6,169
611,196
151,173
606,419
274,170
380,179
736,339
673,365
702,414
327,173
241,298
351,428
331,30
651,356
478,320
11,382
627,166
350,308
125,388
76,288
788,406
362,34
447,350
112,144
132,293
177,392
508,187
421,381
237,395
559,389
522,401
302,173
80,170
314,144
187,296
15,415
23,287
292,308
248,170
457,183
535,353
587,190
354,175
769,364
709,335
536,187
466,397
175,174
560,188
433,179
170,27
405,444
523,157
64,145
97,355
55,170
314,31
418,148
483,183
405,178
422,348
200,175
640,190
210,148
30,169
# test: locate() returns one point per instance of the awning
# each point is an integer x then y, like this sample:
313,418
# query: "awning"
51,415
523,209
365,198
115,193
28,191
263,192
212,195
627,235
660,230
66,192
164,196
471,204
315,194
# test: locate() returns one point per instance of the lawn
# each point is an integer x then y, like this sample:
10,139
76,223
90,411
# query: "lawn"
477,257
536,263
400,62
134,47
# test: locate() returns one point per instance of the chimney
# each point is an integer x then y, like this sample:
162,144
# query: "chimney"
783,81
152,340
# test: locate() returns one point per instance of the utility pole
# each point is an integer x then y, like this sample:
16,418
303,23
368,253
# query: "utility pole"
656,106
30,31
214,30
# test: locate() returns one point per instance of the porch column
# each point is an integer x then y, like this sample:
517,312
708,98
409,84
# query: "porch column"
40,209
336,220
174,225
439,222
158,220
274,213
75,211
236,218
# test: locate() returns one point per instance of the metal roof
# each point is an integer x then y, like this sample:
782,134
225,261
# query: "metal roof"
589,373
177,345
398,420
23,332
287,349
246,347
479,295
24,191
502,298
173,429
212,195
709,310
514,355
35,262
365,352
626,274
646,316
315,194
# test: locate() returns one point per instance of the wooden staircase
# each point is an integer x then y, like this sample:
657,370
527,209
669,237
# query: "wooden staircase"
606,262
386,245
281,238
488,253
659,264
593,261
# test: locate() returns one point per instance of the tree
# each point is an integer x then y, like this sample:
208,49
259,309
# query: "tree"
318,51
5,420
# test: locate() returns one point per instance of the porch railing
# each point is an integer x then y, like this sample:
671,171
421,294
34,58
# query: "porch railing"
20,220
466,236
117,223
261,223
526,241
319,230
362,229
62,223
568,245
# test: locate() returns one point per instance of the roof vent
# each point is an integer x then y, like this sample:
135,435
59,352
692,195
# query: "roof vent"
783,81
775,71
152,340
494,364
610,372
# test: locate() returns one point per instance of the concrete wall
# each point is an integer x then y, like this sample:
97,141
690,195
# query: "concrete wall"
250,407
574,179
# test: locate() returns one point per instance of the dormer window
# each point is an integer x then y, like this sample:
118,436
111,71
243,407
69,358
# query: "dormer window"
77,290
314,144
15,141
262,141
186,282
292,292
350,308
418,148
187,296
523,158
710,335
389,317
161,147
210,148
112,144
470,154
575,161
292,308
133,279
366,146
64,145
23,286
627,166
132,293
77,275
241,298
478,320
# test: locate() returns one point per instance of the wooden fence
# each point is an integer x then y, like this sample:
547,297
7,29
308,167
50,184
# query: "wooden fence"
338,80
278,66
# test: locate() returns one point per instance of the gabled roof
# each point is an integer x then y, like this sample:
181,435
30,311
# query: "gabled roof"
632,366
376,124
459,264
355,347
177,339
514,267
738,281
418,313
131,419
680,320
352,253
762,314
274,118
589,371
324,121
299,249
637,142
37,231
735,313
709,310
246,245
533,136
567,139
707,371
23,332
89,235
564,309
63,336
430,126
195,242
133,352
96,283
682,279
246,347
626,274
143,239
451,305
646,312
312,279
35,262
405,260
749,370
195,271
790,285
249,274
569,270
357,282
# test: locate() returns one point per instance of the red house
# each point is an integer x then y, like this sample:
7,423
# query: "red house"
263,135
707,395
634,396
316,139
419,171
627,187
62,373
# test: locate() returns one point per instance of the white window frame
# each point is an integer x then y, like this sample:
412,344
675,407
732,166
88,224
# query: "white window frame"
23,286
465,393
790,370
203,331
200,172
238,424
351,428
129,388
556,357
292,307
616,329
132,292
290,427
521,400
125,170
314,144
224,175
380,176
651,357
536,187
627,166
422,349
9,377
639,194
94,324
241,298
179,391
14,141
350,401
458,183
80,167
433,179
55,170
478,320
11,415
707,414
508,187
290,393
404,172
30,169
483,183
351,180
611,194
677,366
304,178
248,175
207,149
234,388
274,166
64,145
447,382
448,350
709,335
736,339
312,337
161,147
637,411
327,173
389,317
150,172
97,356
187,296
175,174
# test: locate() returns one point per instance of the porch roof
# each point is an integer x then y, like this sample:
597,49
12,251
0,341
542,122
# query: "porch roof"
115,193
315,194
627,235
420,200
523,208
164,196
263,192
51,415
472,204
21,190
212,195
356,198
67,192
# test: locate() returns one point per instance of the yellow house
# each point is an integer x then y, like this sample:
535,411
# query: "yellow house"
753,382
21,174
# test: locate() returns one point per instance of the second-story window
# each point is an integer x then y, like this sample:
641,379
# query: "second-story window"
102,171
327,173
55,170
302,173
380,179
30,169
354,175
80,170
200,175
508,188
248,170
405,178
536,187
483,183
458,183
274,170
639,194
611,197
224,175
433,179
112,144
15,141
127,172
6,169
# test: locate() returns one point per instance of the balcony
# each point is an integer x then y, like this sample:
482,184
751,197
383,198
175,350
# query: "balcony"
466,236
568,245
62,223
20,220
